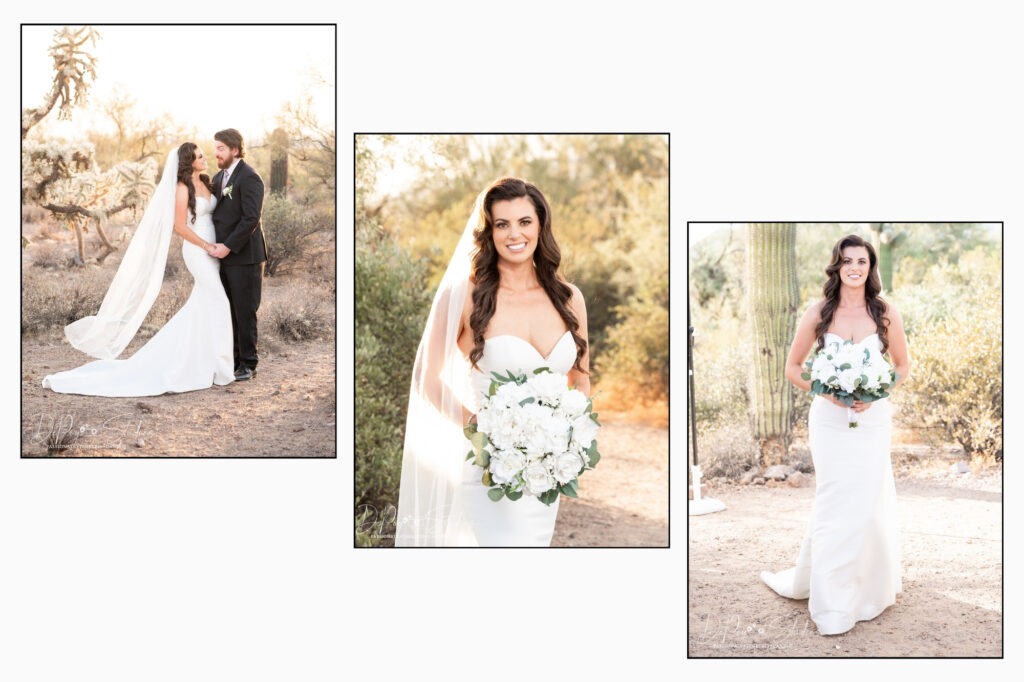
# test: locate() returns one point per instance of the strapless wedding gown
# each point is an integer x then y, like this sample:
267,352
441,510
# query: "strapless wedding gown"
193,350
849,562
526,522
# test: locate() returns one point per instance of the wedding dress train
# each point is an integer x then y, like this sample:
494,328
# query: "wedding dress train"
849,562
192,351
526,522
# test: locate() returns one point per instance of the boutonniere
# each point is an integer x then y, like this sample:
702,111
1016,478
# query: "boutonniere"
227,191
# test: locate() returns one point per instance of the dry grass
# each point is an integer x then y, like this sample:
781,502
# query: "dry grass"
51,255
295,310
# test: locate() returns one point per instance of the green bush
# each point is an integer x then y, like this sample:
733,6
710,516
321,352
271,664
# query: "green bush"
391,308
956,376
286,225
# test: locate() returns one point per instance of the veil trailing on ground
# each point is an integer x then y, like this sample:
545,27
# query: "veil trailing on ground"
137,282
430,511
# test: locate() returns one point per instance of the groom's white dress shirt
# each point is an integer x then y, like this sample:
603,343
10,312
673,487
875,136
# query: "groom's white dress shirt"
227,174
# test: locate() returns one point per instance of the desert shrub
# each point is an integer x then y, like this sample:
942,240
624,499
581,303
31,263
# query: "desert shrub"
721,386
956,376
638,350
50,300
297,311
287,225
391,308
727,448
52,255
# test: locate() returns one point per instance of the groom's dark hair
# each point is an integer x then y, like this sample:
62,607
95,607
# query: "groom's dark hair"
233,139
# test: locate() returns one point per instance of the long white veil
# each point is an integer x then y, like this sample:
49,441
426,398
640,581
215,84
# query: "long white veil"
430,511
138,278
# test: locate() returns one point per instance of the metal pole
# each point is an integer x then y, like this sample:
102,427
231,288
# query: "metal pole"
689,378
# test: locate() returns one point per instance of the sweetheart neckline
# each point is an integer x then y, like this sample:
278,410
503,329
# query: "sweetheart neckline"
543,357
856,343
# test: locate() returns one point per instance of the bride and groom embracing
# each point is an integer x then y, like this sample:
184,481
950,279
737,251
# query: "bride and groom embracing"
212,339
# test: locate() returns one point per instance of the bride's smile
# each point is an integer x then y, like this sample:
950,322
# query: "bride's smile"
515,229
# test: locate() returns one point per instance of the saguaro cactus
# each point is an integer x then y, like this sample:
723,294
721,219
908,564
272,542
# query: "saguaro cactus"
886,239
773,297
278,161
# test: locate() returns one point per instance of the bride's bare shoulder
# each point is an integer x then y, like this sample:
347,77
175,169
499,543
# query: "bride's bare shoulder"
813,312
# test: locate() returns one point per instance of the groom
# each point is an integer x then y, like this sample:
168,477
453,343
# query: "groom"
241,247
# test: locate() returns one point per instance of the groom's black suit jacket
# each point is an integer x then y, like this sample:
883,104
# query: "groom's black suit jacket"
236,219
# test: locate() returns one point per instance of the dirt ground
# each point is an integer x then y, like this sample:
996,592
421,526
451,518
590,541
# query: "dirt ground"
950,539
287,410
624,501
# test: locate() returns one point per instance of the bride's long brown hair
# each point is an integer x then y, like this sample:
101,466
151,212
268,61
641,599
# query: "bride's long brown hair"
546,259
872,287
186,157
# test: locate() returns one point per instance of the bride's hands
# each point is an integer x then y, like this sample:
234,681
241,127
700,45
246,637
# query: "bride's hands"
832,399
858,406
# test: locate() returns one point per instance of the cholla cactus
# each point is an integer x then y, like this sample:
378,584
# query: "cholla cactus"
773,297
73,71
64,179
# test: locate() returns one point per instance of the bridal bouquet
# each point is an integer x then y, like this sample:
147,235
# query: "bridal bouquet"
533,435
850,372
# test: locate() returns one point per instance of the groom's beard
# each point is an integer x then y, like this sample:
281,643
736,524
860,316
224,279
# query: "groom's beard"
225,164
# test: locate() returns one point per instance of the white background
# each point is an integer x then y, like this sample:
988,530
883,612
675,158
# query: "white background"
244,570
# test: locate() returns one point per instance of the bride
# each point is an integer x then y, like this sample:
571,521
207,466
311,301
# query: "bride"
849,562
194,349
502,305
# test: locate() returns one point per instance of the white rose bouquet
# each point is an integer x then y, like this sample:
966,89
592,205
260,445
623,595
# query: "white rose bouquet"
850,372
533,435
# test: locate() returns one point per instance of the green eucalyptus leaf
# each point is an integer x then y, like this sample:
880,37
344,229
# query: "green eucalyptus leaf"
569,489
495,494
514,494
479,440
548,497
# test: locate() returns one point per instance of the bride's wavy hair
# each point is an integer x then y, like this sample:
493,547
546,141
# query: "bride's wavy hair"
546,259
872,287
186,157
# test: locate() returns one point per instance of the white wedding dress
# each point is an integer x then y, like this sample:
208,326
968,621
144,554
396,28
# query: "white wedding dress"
526,522
192,351
849,562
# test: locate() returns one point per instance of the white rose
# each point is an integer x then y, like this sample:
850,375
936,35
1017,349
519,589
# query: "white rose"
506,465
510,394
548,387
531,432
501,428
556,433
573,403
584,431
538,479
846,379
567,466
